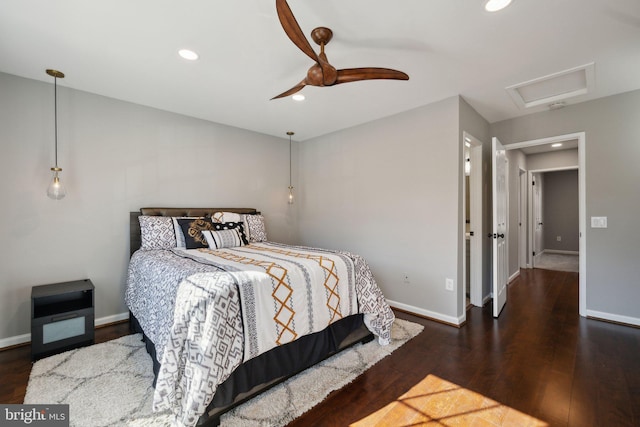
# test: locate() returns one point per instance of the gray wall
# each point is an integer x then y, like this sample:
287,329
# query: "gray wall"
389,191
116,157
561,210
612,176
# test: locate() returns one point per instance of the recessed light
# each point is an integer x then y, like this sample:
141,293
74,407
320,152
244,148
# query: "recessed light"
496,5
556,145
188,54
298,97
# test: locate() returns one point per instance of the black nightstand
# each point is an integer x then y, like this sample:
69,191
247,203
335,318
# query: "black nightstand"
62,317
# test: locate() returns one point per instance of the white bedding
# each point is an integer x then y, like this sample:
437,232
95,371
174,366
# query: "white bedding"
189,302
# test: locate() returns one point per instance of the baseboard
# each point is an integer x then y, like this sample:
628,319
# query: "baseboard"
26,338
514,276
13,341
112,319
432,315
615,318
558,251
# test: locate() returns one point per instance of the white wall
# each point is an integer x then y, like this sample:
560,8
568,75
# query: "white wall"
116,157
612,149
389,191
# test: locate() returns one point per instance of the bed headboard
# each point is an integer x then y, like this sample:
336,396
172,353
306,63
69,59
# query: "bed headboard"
134,224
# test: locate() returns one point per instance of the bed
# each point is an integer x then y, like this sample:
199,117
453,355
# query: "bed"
226,314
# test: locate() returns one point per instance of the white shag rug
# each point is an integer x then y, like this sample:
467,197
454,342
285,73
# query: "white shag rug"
110,384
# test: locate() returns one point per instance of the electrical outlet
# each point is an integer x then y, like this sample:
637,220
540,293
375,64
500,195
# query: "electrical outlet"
448,284
559,238
406,279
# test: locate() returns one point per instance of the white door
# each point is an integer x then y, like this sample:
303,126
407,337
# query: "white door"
500,254
537,215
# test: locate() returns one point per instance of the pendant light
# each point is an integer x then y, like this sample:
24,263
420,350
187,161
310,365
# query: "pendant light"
290,201
56,190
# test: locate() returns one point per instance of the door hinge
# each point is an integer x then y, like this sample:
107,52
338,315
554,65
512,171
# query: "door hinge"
533,183
534,253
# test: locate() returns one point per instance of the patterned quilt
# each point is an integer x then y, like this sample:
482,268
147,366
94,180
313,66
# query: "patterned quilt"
208,311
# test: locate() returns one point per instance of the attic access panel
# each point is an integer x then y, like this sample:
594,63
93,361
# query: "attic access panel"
554,87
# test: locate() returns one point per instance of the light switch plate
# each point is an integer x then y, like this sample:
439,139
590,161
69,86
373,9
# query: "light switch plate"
598,222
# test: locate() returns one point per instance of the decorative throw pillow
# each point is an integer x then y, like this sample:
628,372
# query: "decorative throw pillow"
255,226
192,231
230,226
223,238
226,217
178,230
156,232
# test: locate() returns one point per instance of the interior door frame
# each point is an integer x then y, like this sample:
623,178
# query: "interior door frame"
582,203
476,219
523,219
535,208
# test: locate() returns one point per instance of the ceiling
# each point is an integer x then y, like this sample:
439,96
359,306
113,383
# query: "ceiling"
128,50
544,148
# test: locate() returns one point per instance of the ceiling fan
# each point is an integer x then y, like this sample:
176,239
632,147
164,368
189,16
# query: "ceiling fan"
322,73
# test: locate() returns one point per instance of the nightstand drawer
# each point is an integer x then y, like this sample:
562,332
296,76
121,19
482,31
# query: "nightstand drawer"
62,317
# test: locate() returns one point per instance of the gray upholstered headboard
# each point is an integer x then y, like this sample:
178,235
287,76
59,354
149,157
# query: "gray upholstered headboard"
134,225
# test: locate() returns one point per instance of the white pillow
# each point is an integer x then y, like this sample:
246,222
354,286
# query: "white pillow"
226,217
156,232
223,238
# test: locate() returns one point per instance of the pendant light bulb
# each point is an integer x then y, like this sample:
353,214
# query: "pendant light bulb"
56,190
290,200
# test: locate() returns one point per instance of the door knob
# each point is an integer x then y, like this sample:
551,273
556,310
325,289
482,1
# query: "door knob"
501,236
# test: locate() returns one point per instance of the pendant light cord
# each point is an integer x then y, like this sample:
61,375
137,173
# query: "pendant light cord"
55,114
289,160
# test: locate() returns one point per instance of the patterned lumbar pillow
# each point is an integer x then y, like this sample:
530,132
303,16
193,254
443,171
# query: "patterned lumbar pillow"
192,231
156,232
255,228
230,226
226,217
223,238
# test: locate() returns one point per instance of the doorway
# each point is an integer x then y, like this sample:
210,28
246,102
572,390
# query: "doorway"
523,220
556,218
473,225
581,138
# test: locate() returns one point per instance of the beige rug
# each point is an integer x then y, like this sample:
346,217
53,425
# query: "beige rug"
559,262
110,384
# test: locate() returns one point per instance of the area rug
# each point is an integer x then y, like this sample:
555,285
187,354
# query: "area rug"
110,384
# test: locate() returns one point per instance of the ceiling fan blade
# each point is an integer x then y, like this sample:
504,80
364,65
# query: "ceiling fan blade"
293,30
291,91
371,73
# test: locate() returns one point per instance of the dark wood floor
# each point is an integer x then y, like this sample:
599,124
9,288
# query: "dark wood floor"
540,357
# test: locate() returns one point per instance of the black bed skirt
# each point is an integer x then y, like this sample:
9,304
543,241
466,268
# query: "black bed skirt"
274,366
